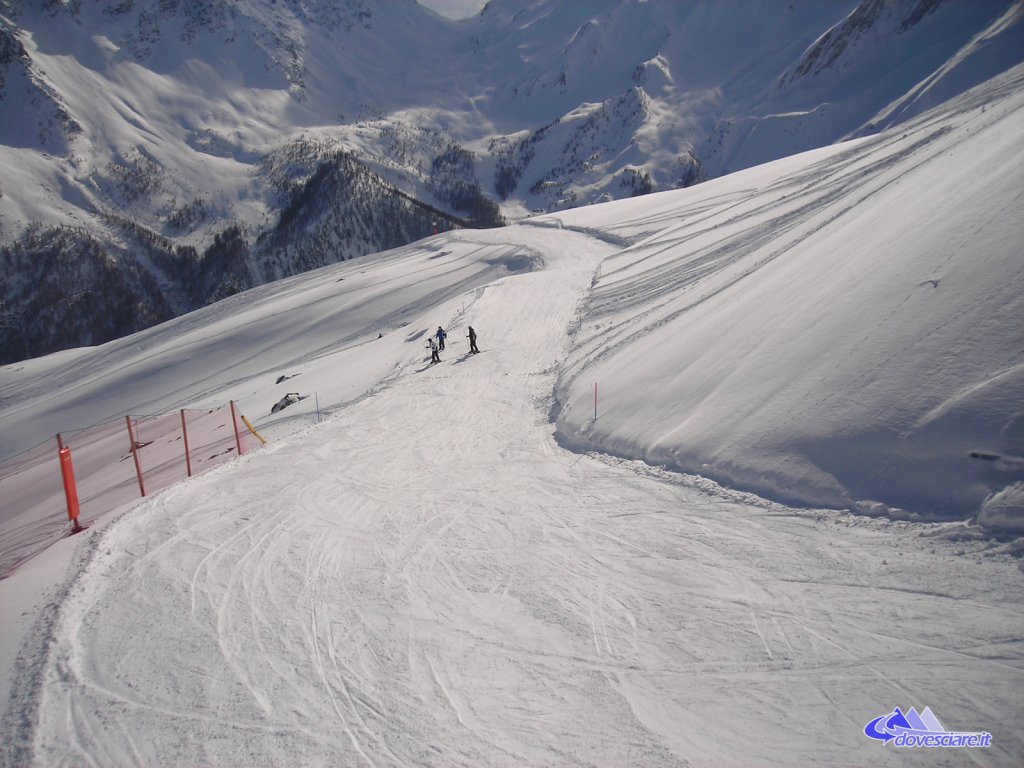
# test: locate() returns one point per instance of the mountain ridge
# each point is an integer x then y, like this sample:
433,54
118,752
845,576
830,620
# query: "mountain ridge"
168,115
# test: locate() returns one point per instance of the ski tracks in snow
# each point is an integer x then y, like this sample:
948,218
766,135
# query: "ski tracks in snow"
427,579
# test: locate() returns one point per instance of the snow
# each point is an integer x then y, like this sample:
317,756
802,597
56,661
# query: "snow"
455,9
427,576
255,76
1004,509
805,342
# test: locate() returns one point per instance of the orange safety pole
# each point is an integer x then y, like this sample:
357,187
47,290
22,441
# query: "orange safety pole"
135,455
234,423
184,434
67,472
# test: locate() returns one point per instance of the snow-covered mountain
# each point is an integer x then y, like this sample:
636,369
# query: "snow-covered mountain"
465,563
159,155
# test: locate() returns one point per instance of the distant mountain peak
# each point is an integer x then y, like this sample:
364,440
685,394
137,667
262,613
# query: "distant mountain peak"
154,127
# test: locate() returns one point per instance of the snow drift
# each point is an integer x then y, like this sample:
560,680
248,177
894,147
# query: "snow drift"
835,328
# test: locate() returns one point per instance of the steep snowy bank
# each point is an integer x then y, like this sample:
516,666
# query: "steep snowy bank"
842,327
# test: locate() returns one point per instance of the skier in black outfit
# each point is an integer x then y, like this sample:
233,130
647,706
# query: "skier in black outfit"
472,341
441,336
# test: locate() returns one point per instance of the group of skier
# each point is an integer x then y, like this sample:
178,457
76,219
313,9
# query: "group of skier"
437,343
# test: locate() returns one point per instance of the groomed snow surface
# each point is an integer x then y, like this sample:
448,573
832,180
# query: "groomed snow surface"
429,577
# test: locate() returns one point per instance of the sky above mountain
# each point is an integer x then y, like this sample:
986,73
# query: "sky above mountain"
455,9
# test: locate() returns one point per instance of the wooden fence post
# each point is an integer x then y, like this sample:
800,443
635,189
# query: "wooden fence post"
184,434
135,455
234,425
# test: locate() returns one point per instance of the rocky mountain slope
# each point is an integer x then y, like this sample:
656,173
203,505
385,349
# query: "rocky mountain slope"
157,155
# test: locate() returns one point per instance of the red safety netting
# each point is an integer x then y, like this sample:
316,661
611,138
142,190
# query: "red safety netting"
28,522
108,473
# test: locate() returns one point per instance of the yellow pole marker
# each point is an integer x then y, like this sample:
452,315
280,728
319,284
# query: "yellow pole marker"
251,429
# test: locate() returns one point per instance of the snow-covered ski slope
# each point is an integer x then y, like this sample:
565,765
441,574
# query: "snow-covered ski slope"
428,578
838,327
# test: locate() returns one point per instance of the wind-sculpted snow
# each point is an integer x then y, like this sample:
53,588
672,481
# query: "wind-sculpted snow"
837,328
428,579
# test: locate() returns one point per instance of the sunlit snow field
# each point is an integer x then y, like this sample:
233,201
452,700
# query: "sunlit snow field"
460,564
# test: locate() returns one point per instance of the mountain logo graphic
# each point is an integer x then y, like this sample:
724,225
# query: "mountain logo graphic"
911,729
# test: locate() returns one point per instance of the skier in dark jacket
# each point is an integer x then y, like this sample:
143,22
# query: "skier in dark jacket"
441,336
472,341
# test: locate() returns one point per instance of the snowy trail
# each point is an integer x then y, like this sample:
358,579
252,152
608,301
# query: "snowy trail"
428,579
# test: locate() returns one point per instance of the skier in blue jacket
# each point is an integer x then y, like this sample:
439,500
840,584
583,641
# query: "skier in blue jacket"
441,336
